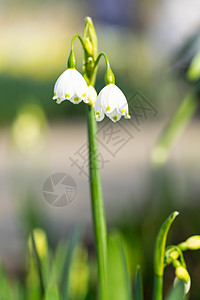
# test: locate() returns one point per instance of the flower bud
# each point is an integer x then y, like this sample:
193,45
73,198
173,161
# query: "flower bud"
183,246
193,243
170,255
72,60
174,254
88,46
182,274
89,34
109,77
41,243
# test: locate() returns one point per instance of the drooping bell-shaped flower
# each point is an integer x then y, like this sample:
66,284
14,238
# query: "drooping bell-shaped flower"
71,86
186,285
111,102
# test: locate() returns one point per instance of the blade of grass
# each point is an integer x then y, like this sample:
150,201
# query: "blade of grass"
75,238
5,293
175,127
118,282
159,256
39,266
52,293
138,291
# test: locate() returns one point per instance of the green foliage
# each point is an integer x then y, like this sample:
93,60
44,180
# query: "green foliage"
67,273
175,127
138,290
193,72
10,290
161,243
177,292
118,281
52,293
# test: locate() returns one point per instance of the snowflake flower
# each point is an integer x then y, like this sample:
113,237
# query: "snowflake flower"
71,86
112,103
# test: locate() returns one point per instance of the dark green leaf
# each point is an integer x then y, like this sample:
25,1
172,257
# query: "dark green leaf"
138,289
118,282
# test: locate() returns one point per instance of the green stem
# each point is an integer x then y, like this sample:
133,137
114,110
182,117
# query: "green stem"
158,287
109,77
97,202
98,59
80,39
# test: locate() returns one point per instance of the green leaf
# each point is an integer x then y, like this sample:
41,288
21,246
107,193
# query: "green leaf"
161,243
38,262
138,290
118,282
52,293
177,292
193,72
75,238
174,129
5,293
59,261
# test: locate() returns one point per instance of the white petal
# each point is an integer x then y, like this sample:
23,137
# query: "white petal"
114,115
63,87
97,106
113,103
99,115
105,97
75,99
186,285
71,86
80,86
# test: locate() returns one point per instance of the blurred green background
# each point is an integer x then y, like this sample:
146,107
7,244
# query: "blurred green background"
150,46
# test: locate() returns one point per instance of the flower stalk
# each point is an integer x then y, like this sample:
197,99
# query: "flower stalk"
74,87
95,179
97,202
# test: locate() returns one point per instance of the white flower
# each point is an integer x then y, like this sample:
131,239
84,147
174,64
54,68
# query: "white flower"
186,285
112,102
71,86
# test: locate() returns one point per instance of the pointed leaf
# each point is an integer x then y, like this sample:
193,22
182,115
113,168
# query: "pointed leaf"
138,291
160,245
118,282
52,293
75,238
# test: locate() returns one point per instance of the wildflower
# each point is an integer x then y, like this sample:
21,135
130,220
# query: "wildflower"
112,103
71,86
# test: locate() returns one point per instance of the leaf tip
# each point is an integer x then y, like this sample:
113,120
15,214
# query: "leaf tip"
176,213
